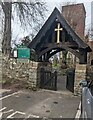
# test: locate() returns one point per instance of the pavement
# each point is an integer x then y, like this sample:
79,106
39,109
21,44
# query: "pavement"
39,104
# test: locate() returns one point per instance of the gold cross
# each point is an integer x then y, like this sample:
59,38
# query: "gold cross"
58,29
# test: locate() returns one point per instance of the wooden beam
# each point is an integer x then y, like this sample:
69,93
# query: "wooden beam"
64,44
83,56
61,46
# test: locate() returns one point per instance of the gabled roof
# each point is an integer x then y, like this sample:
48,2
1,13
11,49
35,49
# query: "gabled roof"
56,15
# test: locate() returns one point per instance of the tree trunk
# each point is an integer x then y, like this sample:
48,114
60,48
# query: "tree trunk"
6,43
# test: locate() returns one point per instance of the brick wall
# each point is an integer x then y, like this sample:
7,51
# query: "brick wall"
75,15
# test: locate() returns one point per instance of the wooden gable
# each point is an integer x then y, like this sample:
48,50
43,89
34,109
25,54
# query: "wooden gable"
47,37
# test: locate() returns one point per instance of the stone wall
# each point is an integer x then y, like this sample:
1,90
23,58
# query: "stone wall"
80,74
89,72
25,73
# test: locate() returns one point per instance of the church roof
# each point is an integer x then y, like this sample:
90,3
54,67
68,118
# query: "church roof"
57,16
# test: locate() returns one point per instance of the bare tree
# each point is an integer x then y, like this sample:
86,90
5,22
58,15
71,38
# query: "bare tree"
27,13
1,26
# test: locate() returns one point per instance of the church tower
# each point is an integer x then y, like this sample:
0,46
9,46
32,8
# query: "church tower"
75,15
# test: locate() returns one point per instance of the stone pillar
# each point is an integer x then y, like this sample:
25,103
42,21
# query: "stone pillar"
80,74
33,75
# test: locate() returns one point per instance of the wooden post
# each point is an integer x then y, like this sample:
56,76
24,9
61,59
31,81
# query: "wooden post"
41,77
55,80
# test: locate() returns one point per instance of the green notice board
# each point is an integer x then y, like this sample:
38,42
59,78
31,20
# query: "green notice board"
23,53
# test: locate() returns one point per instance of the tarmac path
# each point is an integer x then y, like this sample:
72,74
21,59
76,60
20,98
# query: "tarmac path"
39,104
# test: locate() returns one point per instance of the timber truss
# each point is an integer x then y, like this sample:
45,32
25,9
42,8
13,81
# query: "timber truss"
57,35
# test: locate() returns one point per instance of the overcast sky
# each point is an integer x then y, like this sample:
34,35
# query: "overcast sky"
58,4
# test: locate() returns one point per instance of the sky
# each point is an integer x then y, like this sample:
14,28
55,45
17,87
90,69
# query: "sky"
51,5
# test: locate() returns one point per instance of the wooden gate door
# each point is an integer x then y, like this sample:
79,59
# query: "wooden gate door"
70,80
48,80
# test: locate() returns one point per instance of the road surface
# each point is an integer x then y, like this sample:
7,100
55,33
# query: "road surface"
39,104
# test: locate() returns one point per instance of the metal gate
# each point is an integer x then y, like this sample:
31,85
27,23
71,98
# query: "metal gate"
48,80
70,80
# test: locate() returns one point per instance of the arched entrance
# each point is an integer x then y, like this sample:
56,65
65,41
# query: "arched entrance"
56,35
